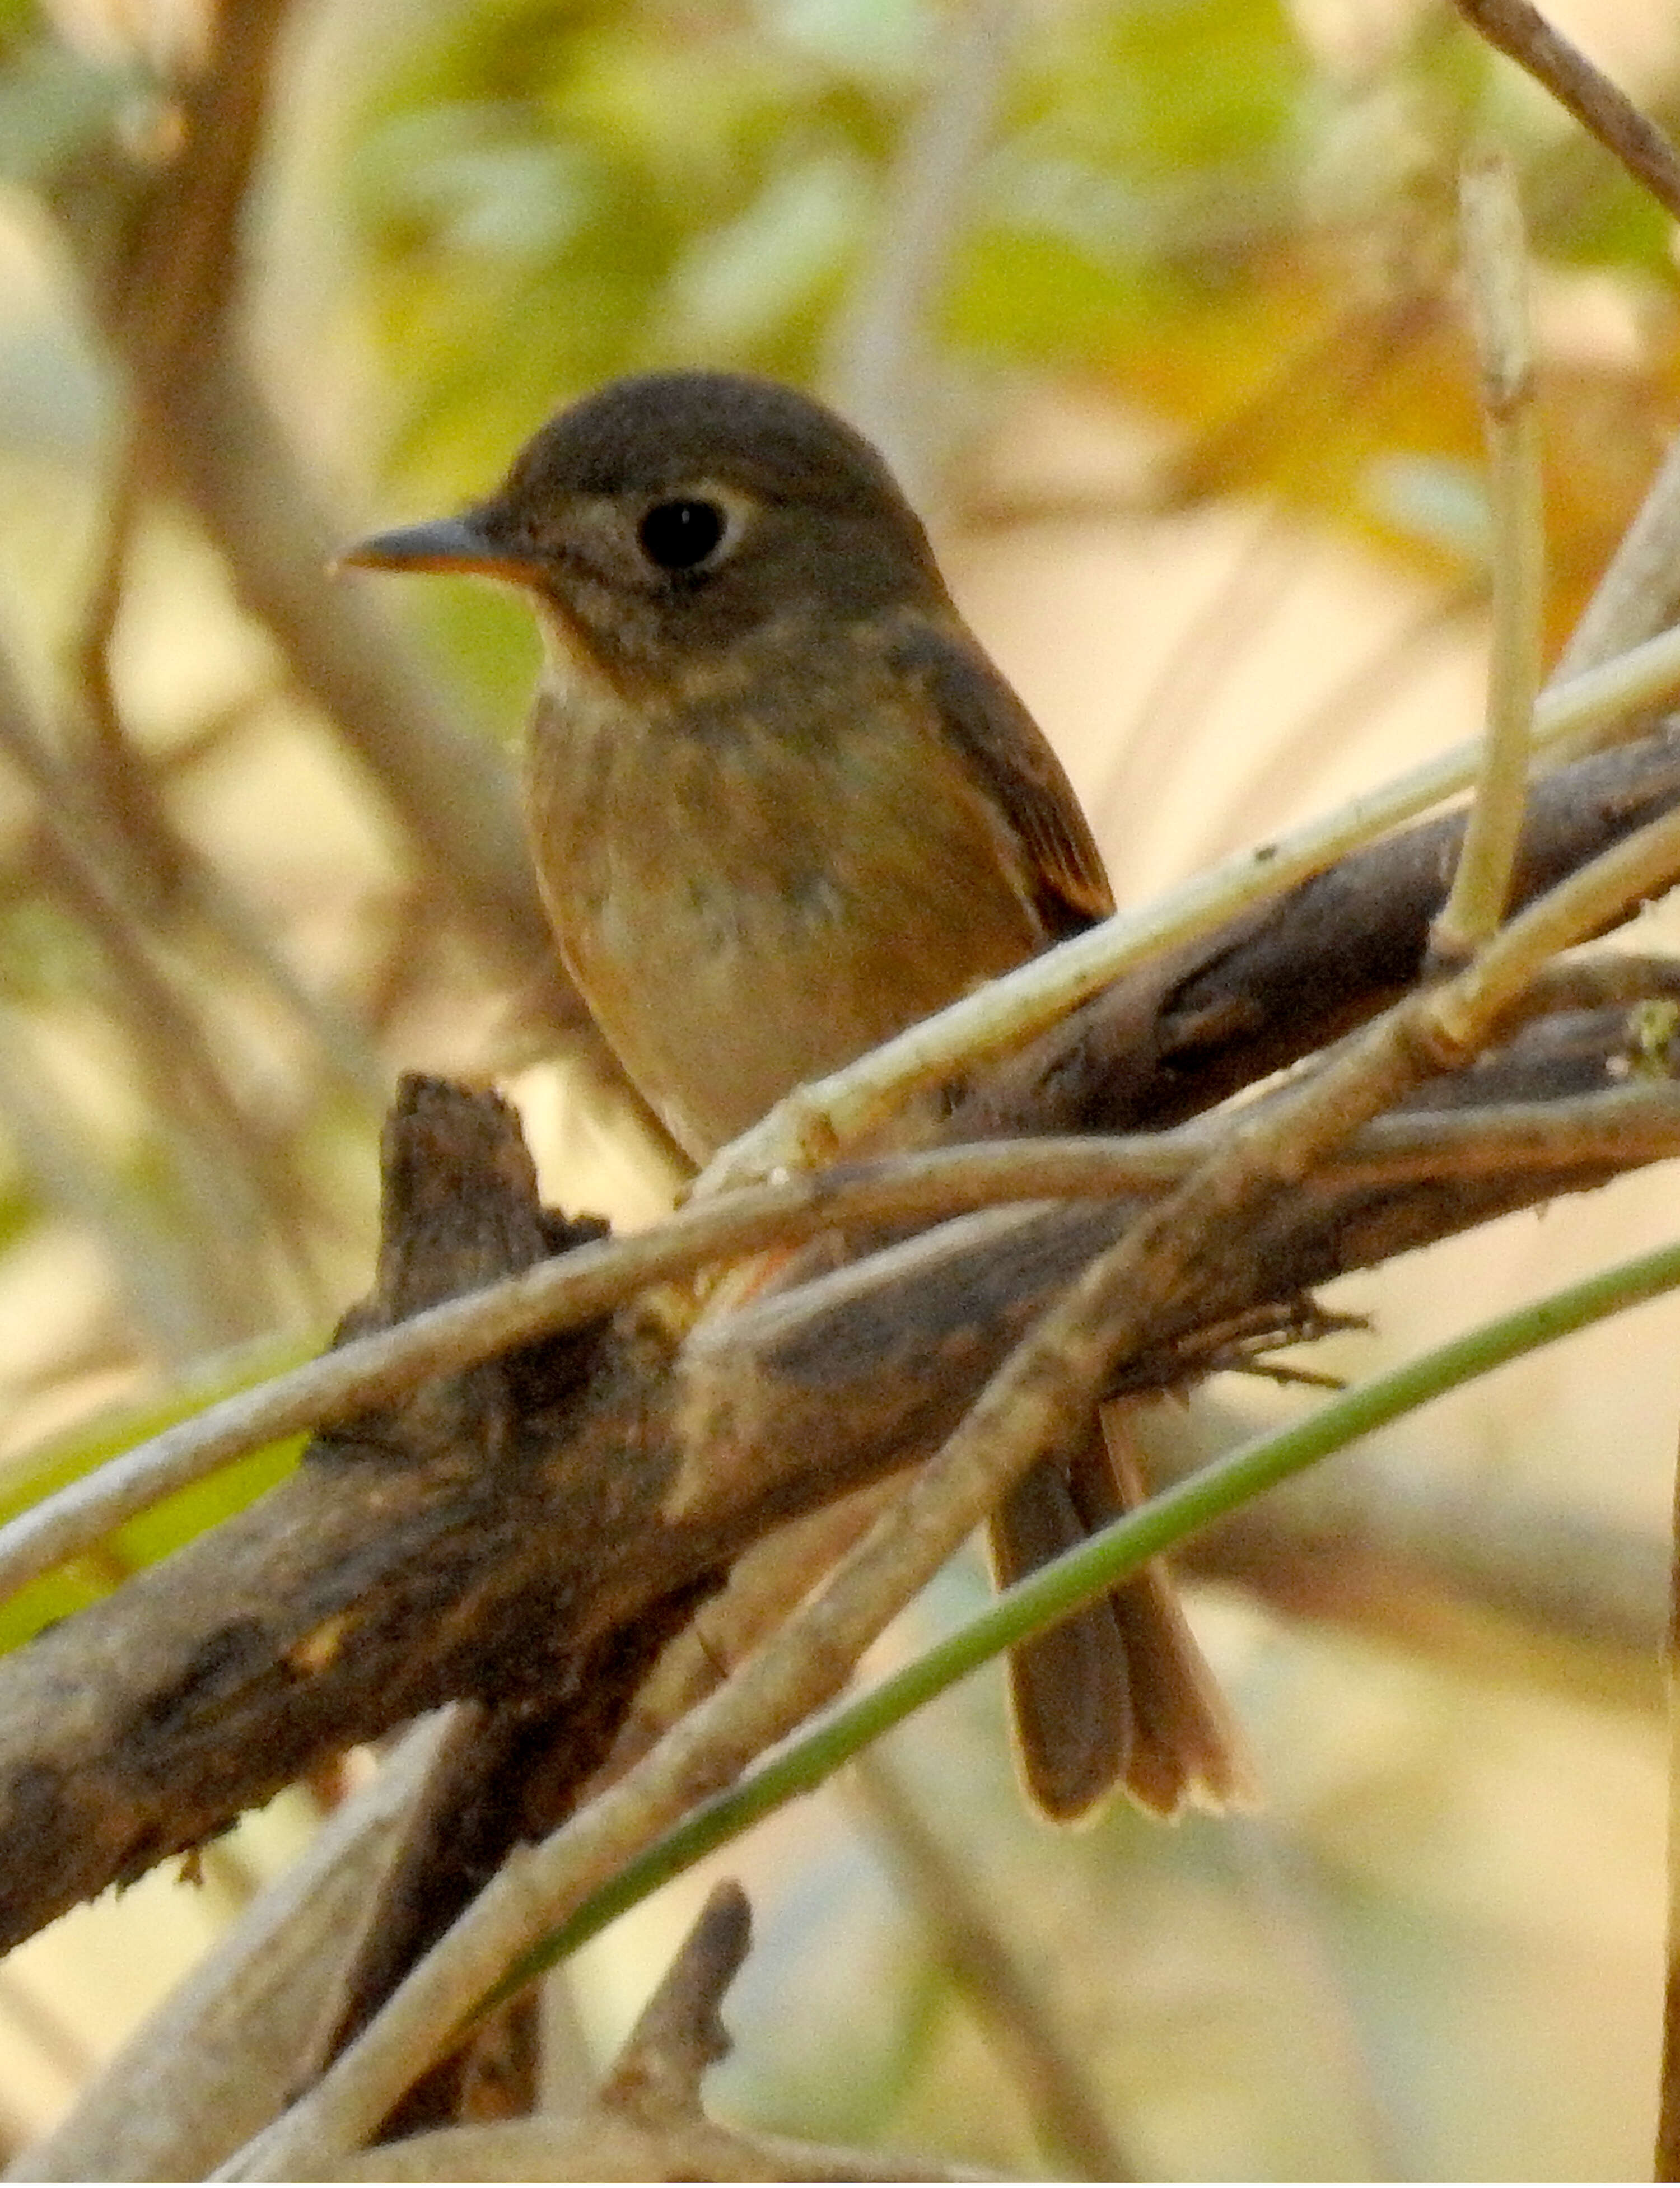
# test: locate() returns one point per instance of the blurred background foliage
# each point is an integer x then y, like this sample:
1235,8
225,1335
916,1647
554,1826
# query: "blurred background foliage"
1153,303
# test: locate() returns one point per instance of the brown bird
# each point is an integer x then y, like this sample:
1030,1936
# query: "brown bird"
782,805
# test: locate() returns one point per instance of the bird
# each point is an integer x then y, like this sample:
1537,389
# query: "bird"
782,804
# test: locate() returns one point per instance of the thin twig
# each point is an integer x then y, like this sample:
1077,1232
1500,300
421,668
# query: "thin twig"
1068,2116
1601,108
114,791
445,786
1630,874
679,2032
104,604
1585,710
557,1295
178,288
230,919
1496,264
162,302
170,297
1630,1123
764,1586
152,1276
1542,1136
1595,979
221,1156
1489,1580
174,871
831,1112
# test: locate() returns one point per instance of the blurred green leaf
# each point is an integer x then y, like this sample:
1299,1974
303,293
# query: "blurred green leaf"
26,1479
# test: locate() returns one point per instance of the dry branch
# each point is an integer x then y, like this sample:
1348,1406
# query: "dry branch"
1155,1278
1169,1041
1052,2070
503,1532
1205,1021
1601,108
390,1575
647,2120
229,2046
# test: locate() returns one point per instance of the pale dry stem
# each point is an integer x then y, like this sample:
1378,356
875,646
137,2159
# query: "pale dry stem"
1496,265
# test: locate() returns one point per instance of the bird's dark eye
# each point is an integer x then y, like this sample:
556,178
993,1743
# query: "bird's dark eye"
680,535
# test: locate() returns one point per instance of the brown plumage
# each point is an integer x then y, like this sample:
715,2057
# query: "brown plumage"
782,806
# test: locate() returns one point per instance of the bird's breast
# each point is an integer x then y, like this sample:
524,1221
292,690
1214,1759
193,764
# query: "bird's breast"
752,890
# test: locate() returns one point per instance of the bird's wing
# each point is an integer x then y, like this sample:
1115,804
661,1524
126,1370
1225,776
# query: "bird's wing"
1007,748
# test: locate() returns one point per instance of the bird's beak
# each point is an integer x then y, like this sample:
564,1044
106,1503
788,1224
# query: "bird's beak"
449,542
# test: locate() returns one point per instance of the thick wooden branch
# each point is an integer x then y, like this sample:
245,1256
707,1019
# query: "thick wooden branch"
530,1533
504,1534
1192,1027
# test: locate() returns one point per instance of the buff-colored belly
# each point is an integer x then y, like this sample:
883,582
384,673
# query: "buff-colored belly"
741,917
